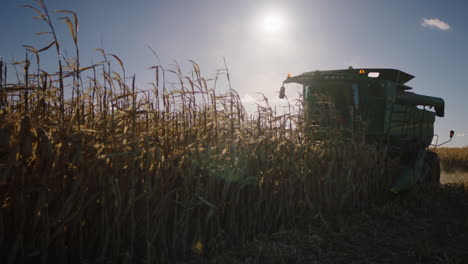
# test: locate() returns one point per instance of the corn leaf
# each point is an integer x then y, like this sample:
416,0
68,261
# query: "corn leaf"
41,15
118,59
47,47
70,27
42,33
75,18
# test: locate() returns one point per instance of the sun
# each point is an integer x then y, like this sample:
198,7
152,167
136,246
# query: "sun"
272,23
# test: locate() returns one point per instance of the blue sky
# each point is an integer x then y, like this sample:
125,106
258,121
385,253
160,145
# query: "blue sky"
306,35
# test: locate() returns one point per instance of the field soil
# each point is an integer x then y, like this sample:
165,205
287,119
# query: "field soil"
454,177
426,225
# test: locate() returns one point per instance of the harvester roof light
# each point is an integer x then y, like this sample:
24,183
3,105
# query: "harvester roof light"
362,71
289,75
373,74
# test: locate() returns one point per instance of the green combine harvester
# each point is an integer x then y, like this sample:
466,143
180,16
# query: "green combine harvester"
375,103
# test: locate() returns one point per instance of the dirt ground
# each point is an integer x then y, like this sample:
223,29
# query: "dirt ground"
426,225
454,177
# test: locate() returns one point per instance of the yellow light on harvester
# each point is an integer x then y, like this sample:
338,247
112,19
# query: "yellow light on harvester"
362,71
289,75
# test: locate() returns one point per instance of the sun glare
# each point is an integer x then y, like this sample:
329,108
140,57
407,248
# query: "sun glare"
272,23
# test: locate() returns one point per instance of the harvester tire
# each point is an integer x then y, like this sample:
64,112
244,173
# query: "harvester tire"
433,176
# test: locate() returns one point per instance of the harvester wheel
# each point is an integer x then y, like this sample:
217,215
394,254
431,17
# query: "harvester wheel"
434,169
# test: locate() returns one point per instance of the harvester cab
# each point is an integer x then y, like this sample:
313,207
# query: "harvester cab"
378,104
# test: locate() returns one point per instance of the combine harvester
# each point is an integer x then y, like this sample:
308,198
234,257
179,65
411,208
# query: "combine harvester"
376,103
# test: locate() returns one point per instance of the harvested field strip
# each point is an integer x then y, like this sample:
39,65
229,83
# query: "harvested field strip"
427,225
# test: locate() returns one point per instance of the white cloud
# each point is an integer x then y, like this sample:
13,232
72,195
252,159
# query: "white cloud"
435,23
247,99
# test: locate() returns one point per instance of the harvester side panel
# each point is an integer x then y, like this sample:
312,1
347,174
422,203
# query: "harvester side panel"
411,125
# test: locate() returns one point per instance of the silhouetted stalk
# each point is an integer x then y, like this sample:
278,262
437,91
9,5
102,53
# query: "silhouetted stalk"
134,110
47,19
1,73
26,84
104,105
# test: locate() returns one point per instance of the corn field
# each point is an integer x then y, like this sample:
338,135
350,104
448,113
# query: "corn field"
93,168
454,159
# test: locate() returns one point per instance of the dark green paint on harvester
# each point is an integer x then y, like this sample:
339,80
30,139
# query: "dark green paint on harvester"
378,104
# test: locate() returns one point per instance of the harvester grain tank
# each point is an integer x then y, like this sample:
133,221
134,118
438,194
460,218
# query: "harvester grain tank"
378,104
